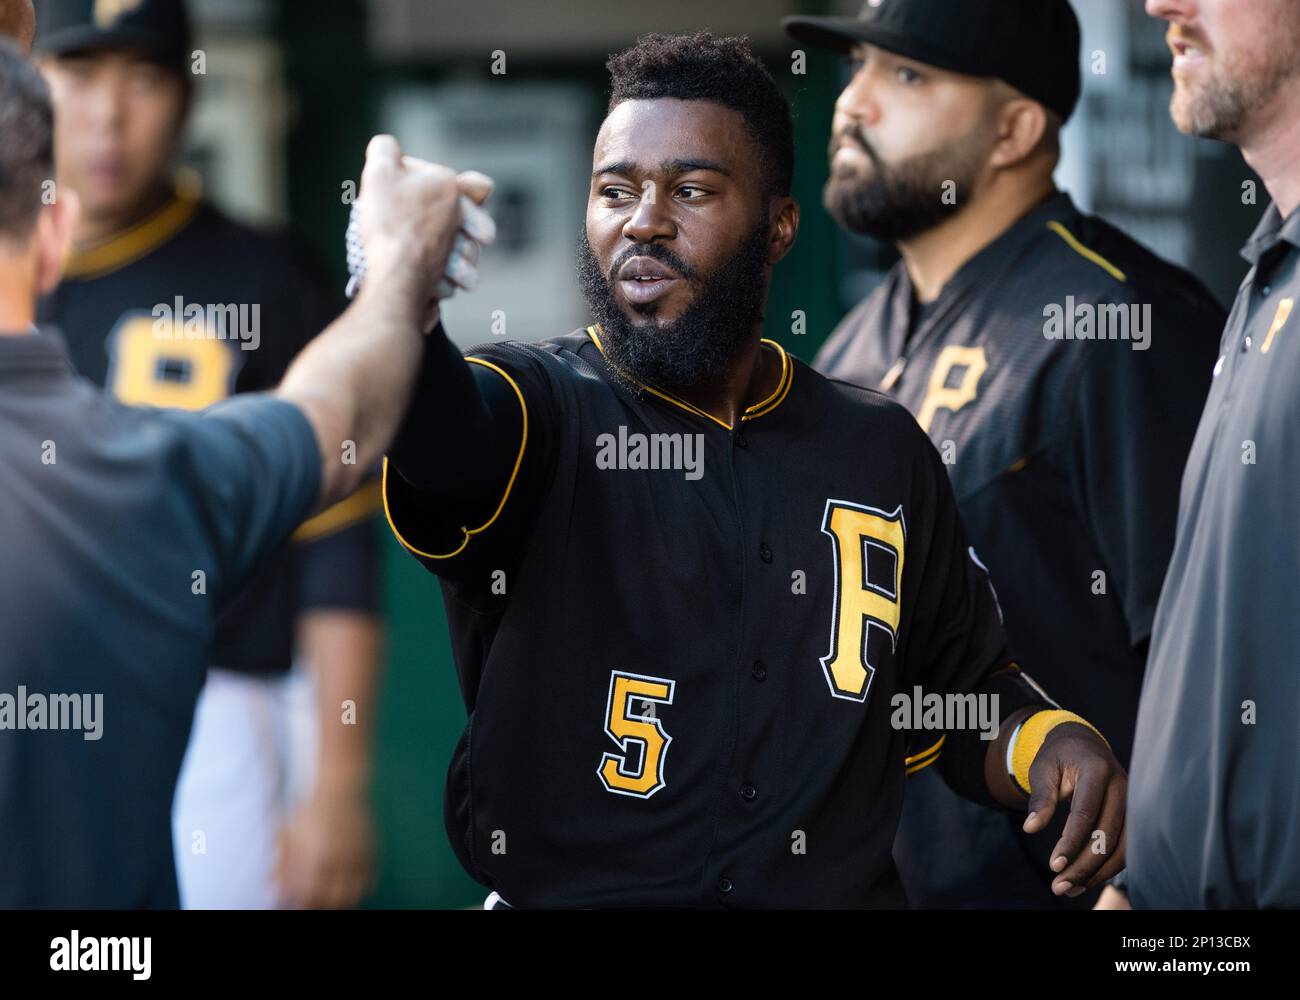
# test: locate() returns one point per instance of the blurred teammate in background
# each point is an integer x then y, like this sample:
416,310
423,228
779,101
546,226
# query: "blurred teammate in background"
272,808
1064,450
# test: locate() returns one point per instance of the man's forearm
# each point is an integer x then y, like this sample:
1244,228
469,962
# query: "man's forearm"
343,650
354,383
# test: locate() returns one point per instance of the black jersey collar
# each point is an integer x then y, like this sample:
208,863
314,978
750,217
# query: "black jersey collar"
1055,217
759,409
1056,213
116,251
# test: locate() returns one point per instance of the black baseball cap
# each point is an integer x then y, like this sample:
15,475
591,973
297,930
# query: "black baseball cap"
1031,44
159,29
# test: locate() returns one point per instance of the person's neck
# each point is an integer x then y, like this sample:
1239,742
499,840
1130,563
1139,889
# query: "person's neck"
935,256
96,227
1273,148
752,378
17,308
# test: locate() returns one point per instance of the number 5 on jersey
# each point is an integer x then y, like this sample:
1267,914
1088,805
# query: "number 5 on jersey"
638,768
868,545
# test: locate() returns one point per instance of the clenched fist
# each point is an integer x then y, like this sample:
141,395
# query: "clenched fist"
421,225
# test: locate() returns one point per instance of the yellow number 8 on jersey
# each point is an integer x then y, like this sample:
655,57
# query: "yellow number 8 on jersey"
148,370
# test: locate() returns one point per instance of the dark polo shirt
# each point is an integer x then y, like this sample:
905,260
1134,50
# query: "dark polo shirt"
1214,798
122,530
188,257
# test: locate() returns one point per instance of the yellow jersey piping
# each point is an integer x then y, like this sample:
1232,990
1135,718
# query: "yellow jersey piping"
1086,253
925,758
130,245
757,410
514,474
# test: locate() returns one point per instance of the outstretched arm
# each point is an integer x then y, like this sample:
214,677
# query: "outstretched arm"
354,381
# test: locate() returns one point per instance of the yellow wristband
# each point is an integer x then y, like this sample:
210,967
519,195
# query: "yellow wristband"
1033,732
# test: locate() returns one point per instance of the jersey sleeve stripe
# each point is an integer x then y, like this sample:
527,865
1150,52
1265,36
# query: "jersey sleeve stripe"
925,758
468,533
360,506
921,765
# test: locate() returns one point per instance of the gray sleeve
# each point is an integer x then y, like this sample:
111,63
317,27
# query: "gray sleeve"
255,463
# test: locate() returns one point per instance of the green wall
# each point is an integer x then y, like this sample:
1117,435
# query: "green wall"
808,278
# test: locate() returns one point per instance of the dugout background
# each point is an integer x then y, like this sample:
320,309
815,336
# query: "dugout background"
294,88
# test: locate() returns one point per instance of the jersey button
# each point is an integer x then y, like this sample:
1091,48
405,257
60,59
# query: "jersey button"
748,792
1245,344
765,553
759,671
741,442
725,886
1266,291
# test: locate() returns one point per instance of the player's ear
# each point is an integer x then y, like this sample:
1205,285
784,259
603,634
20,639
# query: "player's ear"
1021,125
785,229
53,239
18,21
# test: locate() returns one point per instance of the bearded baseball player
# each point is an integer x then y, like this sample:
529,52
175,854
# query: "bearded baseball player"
698,593
1064,442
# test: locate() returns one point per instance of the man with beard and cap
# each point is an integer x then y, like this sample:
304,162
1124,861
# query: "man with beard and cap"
1058,366
1216,760
688,579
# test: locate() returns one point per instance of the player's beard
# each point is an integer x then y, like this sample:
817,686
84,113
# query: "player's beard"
902,200
1233,88
699,347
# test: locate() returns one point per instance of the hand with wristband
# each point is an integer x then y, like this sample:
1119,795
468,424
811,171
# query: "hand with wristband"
1046,755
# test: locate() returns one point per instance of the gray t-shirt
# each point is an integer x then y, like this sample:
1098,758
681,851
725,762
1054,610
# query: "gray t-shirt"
1214,793
121,530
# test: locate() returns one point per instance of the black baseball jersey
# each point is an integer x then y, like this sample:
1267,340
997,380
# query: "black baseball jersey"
123,528
679,641
181,311
1214,800
1060,373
